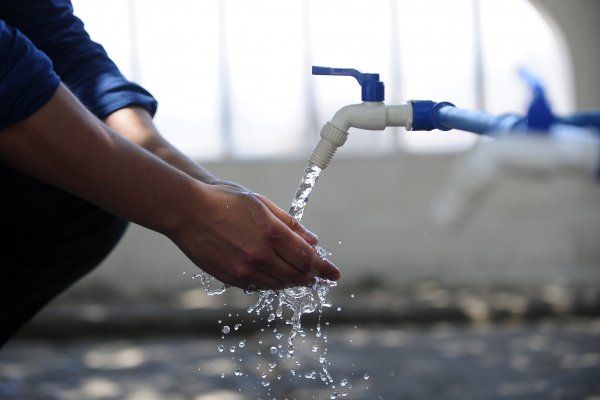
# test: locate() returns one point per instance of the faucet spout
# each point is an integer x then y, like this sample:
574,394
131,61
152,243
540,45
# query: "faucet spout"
369,115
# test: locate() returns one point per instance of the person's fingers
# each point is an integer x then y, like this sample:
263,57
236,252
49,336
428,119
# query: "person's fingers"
261,279
287,273
304,257
290,221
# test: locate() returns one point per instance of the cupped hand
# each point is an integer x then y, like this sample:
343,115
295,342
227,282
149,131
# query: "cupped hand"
244,240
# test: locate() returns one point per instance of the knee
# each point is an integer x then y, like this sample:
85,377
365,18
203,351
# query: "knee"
101,236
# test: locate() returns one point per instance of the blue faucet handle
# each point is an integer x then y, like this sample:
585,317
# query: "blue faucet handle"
539,113
372,88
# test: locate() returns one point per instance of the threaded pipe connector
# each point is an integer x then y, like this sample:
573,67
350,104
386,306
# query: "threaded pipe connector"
331,139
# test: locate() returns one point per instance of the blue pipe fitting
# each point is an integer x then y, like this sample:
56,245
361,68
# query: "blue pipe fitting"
428,115
590,119
424,112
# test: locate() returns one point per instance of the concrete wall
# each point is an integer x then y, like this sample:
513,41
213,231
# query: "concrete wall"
372,213
579,21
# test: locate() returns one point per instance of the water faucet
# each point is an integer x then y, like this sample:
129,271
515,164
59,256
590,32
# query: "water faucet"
372,114
426,115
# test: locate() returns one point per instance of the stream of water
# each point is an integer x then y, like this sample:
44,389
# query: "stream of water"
298,300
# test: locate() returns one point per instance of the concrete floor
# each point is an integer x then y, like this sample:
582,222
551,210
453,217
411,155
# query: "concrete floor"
552,358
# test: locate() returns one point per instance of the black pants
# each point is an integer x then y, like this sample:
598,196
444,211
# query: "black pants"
48,240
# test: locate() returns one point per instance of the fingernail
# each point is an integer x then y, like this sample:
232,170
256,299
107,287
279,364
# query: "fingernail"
312,237
334,272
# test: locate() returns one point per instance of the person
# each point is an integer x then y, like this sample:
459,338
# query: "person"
80,156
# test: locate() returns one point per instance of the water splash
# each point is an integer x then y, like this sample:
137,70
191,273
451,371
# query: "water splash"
299,300
207,281
303,299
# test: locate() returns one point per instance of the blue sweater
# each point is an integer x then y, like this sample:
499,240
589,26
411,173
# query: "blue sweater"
41,44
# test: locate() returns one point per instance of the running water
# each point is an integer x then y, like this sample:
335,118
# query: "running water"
300,300
307,183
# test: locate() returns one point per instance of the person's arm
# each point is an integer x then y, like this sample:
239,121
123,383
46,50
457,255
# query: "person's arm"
88,72
135,124
228,232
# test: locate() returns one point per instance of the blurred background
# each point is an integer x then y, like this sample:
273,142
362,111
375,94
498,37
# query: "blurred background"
506,307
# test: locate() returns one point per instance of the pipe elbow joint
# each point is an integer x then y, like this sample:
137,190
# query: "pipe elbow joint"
373,116
367,115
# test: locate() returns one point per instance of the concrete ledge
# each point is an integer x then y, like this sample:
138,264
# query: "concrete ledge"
421,304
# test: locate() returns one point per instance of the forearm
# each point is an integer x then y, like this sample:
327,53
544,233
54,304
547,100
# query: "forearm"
236,236
64,145
135,124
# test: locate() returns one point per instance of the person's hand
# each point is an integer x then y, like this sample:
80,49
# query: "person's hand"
563,150
285,217
244,240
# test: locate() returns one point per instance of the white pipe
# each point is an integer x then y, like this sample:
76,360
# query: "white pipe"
373,116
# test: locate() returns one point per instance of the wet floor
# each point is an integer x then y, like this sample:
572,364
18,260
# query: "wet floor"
548,359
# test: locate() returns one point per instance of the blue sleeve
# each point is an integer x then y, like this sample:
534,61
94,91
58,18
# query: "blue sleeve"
82,64
27,80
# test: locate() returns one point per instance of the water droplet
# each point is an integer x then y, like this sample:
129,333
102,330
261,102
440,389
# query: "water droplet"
272,365
222,375
352,295
220,348
271,317
265,383
242,343
333,396
237,326
311,375
238,372
273,350
232,349
225,329
339,308
315,348
343,382
366,376
279,335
